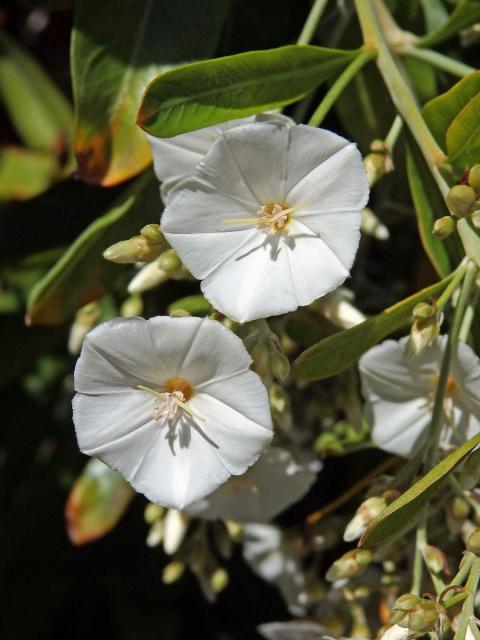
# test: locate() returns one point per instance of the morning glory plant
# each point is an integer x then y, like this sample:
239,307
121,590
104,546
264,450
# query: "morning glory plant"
262,221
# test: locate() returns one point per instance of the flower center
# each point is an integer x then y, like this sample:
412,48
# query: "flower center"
271,218
172,401
451,389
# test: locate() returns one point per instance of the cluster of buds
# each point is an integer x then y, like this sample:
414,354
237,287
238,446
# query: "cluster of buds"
462,200
416,614
85,319
366,512
167,526
148,245
167,266
350,565
269,359
378,162
425,328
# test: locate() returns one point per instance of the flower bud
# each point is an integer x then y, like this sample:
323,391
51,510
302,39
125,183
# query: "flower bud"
132,306
155,535
85,319
395,632
366,512
423,332
351,564
280,365
424,310
373,226
169,261
435,559
152,232
460,199
176,525
179,313
378,146
423,617
473,541
148,277
475,218
172,572
470,474
219,580
153,512
474,178
459,508
137,249
374,164
444,227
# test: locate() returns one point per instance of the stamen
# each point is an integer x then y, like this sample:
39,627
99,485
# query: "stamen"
271,218
172,401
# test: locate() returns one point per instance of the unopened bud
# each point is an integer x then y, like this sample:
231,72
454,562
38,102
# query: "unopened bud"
169,261
475,218
460,199
137,249
132,306
424,617
179,313
459,509
470,474
155,535
153,512
378,146
280,365
474,177
423,332
473,541
172,572
279,399
234,530
152,232
424,310
435,559
176,525
219,580
85,319
395,632
366,512
351,564
374,164
444,227
148,277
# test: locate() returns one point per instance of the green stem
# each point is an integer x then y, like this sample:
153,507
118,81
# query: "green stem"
438,60
396,83
452,285
468,606
394,132
312,21
420,544
437,413
339,85
468,319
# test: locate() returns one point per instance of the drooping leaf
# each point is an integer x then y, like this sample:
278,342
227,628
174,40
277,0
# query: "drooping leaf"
118,46
205,93
440,112
430,205
463,135
470,239
333,354
400,515
96,503
39,111
82,274
463,16
25,173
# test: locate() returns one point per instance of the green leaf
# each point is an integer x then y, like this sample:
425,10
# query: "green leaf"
82,274
430,205
197,305
463,16
333,354
470,239
25,173
463,135
400,515
97,501
435,14
440,112
205,93
40,113
118,46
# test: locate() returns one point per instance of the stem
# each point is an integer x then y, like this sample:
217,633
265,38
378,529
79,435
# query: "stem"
399,89
452,285
420,544
312,21
445,63
394,132
468,319
468,606
339,85
437,413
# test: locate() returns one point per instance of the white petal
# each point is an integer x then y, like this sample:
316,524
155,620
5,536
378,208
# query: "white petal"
294,630
465,369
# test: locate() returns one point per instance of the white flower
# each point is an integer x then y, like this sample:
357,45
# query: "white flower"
270,219
175,158
273,483
400,392
293,630
170,403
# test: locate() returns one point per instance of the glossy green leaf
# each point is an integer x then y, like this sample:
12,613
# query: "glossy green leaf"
470,240
82,274
24,173
435,14
463,16
197,305
463,136
440,112
97,501
333,354
205,93
400,515
430,205
39,112
118,46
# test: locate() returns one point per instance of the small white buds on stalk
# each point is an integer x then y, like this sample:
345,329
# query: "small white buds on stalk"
435,559
351,564
460,200
378,162
142,248
444,227
425,328
176,526
269,360
132,306
373,226
366,512
172,572
85,319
